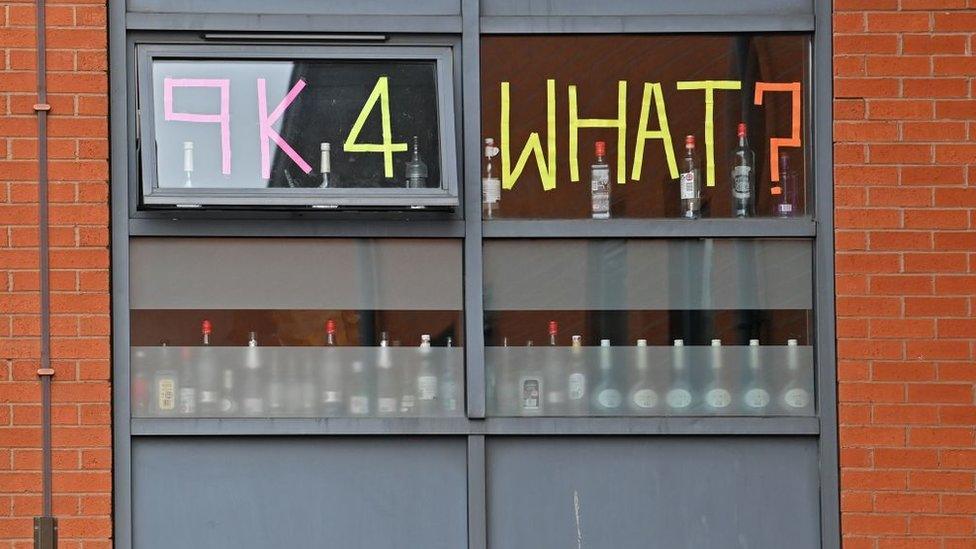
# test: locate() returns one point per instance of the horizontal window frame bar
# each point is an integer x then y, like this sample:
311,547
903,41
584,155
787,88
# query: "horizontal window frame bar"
311,228
659,24
215,22
495,426
652,228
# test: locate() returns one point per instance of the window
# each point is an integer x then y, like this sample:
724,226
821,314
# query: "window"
282,127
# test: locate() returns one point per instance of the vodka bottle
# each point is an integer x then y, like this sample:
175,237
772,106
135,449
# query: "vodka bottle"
426,380
491,184
642,398
576,401
448,389
416,169
555,375
690,181
188,385
165,385
743,176
787,190
358,389
209,377
756,397
252,397
228,393
387,392
679,398
330,376
600,183
326,165
717,395
607,397
188,163
795,397
530,384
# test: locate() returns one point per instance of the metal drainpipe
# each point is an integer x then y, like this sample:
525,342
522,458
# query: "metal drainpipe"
45,526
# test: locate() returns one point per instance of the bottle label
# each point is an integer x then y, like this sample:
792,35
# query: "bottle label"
678,398
188,400
531,392
577,386
797,398
208,397
491,189
427,387
386,405
756,398
358,405
609,398
740,182
600,191
331,397
785,208
645,398
718,398
407,403
689,189
166,394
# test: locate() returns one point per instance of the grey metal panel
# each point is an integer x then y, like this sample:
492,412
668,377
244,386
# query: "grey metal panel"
651,228
473,275
649,274
636,493
294,23
299,7
240,493
824,265
646,24
296,228
626,8
477,517
189,273
593,426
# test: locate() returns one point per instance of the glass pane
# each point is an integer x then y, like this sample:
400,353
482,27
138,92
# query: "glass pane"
649,327
302,124
296,327
641,96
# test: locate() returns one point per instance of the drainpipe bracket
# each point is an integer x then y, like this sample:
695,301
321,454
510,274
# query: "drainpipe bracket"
45,371
38,107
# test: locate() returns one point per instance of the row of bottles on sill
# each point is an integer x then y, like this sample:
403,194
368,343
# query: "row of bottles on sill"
637,380
206,382
415,172
742,182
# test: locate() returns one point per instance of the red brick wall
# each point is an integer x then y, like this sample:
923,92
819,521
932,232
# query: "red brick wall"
79,277
905,132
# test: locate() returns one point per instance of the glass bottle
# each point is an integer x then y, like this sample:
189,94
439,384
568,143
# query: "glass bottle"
387,392
188,384
600,183
787,190
228,393
491,184
426,380
330,386
607,397
416,169
690,181
679,398
795,397
576,401
408,385
756,397
448,390
555,381
642,398
252,400
326,165
506,395
530,384
717,394
209,378
743,174
188,163
165,385
358,390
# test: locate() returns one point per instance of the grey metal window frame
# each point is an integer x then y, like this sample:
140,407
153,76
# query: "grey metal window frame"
127,221
445,196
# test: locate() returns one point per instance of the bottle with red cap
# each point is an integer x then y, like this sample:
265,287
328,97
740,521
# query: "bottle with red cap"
330,386
600,183
209,380
690,181
554,382
743,180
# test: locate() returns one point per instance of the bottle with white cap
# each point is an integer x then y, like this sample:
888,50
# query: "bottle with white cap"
427,397
576,401
795,396
530,385
387,394
679,398
756,397
607,396
326,165
718,398
642,398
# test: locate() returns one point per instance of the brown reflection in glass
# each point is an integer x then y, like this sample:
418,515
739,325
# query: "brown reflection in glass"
696,327
293,327
595,63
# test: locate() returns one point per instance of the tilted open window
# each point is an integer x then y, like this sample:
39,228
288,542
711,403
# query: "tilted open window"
326,127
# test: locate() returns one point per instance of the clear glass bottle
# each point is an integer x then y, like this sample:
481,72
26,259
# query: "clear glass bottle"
491,184
600,183
718,398
228,393
607,396
188,385
276,388
576,401
408,385
416,169
530,384
555,375
209,377
642,398
387,392
252,399
326,165
795,397
188,163
448,390
755,398
427,402
788,189
743,176
358,390
679,398
165,385
506,393
331,399
690,182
